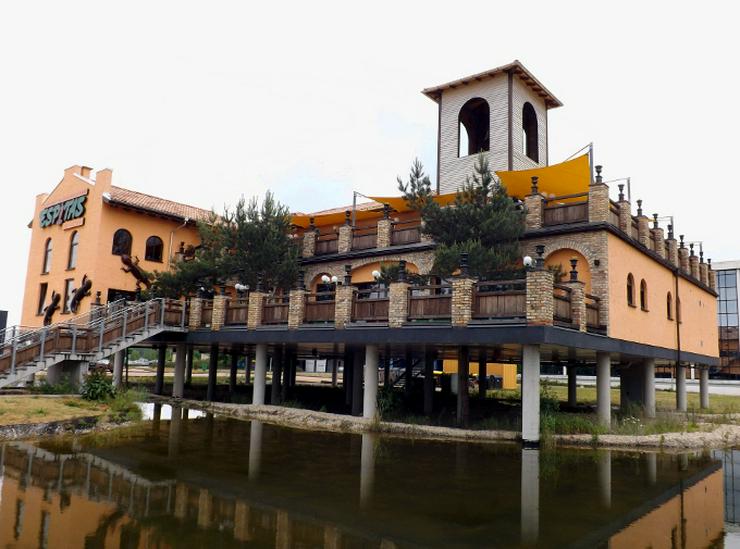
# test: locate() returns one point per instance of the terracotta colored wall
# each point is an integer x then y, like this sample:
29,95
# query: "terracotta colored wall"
94,256
699,308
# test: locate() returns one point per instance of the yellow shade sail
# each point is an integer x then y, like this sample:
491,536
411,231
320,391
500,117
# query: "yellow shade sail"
334,218
567,178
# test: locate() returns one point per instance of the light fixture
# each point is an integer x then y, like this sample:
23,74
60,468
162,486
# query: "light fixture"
325,279
527,260
376,274
239,287
334,279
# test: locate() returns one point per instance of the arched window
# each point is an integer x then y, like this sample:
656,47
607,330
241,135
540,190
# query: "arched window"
643,295
154,248
121,242
669,306
46,266
474,128
74,243
630,290
530,139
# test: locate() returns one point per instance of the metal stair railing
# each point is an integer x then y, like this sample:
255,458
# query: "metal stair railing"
92,332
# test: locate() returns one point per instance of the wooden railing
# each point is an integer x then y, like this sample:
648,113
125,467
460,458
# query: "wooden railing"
405,233
500,299
614,213
370,306
562,304
365,238
327,244
431,302
557,213
275,310
635,228
320,307
236,311
206,313
593,324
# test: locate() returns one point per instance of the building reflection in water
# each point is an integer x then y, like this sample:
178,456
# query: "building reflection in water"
165,493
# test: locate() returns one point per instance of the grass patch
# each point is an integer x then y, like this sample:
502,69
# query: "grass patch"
19,409
123,407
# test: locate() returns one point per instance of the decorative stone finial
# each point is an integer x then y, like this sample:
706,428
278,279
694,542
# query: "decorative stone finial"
311,224
535,179
691,249
701,255
301,282
223,289
347,217
709,262
402,270
573,270
97,297
655,221
347,275
258,288
464,268
621,192
680,237
599,179
670,230
639,208
386,211
540,260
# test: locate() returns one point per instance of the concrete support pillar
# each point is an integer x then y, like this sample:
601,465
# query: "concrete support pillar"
572,399
212,373
179,382
482,373
605,477
603,389
408,374
370,399
189,366
277,376
173,440
159,381
357,364
652,467
118,360
681,387
428,382
704,388
260,369
334,368
648,384
232,371
248,368
347,376
531,395
463,398
367,468
530,492
255,448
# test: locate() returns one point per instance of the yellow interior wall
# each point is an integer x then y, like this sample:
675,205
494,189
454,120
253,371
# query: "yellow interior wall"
562,257
507,372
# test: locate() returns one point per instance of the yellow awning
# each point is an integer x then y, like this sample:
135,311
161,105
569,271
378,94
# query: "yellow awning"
567,178
398,203
334,218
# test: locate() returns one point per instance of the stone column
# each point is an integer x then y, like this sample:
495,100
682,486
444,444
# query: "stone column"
212,373
704,388
370,399
530,497
218,319
540,301
428,381
296,308
625,213
598,203
260,374
648,367
159,380
531,395
398,307
309,241
462,300
254,309
572,386
577,298
711,276
179,382
118,360
703,272
683,257
534,205
196,313
463,370
693,263
385,230
344,299
658,237
344,244
603,389
681,387
643,226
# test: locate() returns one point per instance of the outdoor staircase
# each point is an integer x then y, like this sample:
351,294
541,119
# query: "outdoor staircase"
89,338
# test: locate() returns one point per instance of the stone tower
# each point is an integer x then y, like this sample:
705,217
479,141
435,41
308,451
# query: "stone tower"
501,112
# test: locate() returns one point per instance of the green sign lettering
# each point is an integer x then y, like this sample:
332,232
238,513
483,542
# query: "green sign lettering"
68,210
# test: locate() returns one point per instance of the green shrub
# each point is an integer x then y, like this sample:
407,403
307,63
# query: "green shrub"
97,387
64,387
124,407
389,403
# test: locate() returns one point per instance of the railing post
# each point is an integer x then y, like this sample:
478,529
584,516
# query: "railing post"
577,298
254,308
74,339
13,351
123,325
43,343
183,313
161,312
540,299
344,243
100,335
534,204
462,295
196,313
218,314
146,316
598,199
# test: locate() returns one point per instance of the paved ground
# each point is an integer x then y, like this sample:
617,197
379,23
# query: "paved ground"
716,386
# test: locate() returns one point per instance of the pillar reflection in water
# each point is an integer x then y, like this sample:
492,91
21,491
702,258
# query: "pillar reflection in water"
173,446
605,477
156,417
652,467
367,468
530,506
255,449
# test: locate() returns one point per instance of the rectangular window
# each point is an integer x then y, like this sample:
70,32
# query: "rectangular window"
42,298
68,291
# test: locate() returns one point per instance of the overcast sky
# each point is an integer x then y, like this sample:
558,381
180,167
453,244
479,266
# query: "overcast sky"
202,102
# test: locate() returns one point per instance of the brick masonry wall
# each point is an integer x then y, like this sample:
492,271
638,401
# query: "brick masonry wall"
540,302
694,266
296,308
578,303
643,231
533,204
398,304
196,313
254,309
344,244
712,279
625,217
309,243
598,203
704,273
384,233
659,238
462,300
672,251
683,259
344,297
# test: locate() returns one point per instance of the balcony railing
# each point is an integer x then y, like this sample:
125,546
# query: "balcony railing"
431,303
370,306
320,307
557,212
614,213
327,244
505,299
275,310
562,304
365,238
405,233
236,312
593,323
207,313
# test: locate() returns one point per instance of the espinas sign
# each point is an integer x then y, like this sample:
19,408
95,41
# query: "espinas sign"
63,211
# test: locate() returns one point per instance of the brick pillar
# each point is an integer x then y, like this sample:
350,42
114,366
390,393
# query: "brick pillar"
254,309
598,202
196,313
309,242
711,276
625,215
540,301
671,245
703,273
422,236
643,226
398,308
577,297
694,263
534,206
296,308
384,233
462,300
659,238
345,234
683,257
219,312
344,298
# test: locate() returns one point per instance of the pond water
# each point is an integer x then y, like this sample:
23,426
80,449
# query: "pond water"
201,481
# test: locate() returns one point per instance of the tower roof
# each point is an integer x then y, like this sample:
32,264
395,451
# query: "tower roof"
515,67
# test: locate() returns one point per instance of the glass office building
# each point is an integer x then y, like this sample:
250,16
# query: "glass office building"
727,312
